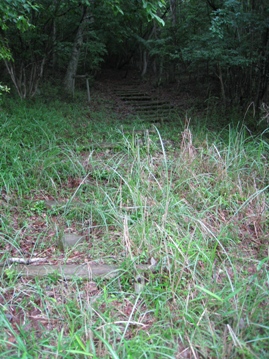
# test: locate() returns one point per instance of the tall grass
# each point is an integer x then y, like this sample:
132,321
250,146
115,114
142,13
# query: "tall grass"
197,210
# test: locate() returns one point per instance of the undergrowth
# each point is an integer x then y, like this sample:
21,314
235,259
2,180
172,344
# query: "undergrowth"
192,204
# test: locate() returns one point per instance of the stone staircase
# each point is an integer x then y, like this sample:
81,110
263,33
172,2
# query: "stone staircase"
146,107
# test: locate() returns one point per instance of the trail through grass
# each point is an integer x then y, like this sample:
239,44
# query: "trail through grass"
192,203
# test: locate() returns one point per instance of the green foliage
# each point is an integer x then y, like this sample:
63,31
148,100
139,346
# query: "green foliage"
4,51
39,207
3,88
228,42
13,14
152,8
16,12
45,38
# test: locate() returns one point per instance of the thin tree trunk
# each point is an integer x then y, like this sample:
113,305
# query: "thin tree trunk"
145,53
173,9
263,71
74,59
26,78
145,63
223,95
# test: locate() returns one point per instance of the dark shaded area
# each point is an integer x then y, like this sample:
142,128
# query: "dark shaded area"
221,47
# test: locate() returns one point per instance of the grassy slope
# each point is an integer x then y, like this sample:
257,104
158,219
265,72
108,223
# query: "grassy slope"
193,202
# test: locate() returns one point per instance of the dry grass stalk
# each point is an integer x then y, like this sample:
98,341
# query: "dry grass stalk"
126,238
186,147
265,112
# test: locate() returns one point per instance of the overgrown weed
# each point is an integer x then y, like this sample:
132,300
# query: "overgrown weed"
195,208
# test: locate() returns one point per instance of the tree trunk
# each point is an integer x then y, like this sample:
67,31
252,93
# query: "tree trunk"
263,71
26,77
145,52
223,95
145,63
73,62
173,9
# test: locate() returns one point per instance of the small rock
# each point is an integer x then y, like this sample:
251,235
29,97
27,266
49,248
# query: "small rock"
71,239
51,203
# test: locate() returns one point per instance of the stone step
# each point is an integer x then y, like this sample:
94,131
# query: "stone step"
135,98
147,108
154,109
129,91
149,111
152,103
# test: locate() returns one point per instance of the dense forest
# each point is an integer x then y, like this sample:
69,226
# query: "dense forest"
134,187
223,44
